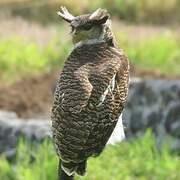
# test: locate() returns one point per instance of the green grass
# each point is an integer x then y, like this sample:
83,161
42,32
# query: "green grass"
19,59
22,59
159,53
139,159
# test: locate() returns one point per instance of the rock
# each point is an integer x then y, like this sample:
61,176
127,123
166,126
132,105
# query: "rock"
154,104
172,121
175,146
11,128
175,128
7,115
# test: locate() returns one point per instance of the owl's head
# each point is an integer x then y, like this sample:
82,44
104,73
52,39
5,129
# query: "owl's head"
95,26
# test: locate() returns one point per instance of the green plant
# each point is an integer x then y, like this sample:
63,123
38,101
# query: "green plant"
139,159
158,53
21,59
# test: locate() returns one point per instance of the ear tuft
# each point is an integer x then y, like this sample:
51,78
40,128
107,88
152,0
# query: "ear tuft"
100,16
65,14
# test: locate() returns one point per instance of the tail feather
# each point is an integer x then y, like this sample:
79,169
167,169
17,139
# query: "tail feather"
67,169
62,174
81,168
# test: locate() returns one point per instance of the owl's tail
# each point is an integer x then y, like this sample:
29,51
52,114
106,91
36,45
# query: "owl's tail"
67,170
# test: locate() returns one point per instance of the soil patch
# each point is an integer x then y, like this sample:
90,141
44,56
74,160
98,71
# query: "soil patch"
29,97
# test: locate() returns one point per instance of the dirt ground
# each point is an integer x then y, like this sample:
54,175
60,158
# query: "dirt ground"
29,97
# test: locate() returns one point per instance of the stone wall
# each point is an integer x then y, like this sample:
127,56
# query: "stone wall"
154,104
151,104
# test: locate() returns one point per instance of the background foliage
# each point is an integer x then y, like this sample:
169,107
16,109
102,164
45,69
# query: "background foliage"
159,11
139,159
155,52
18,59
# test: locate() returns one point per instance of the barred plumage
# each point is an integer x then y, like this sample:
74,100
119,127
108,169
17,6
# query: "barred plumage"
90,95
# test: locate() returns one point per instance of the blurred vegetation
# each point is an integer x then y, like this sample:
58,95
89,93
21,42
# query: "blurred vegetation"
159,53
157,11
19,58
138,159
22,59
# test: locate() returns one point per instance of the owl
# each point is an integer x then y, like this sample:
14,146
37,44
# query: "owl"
90,93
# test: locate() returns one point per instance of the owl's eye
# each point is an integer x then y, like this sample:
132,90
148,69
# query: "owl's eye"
87,27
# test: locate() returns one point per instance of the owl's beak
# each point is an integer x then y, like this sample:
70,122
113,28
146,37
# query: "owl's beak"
73,30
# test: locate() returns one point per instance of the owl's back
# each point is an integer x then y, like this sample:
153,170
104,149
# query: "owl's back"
89,98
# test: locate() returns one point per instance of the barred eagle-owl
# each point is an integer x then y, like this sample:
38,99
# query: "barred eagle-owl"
90,94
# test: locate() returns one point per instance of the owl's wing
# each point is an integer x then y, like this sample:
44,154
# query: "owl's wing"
113,76
111,93
74,92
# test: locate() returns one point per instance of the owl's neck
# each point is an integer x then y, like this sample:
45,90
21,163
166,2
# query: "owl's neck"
104,39
89,42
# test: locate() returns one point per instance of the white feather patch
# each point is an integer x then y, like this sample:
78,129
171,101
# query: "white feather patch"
110,88
89,42
118,134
